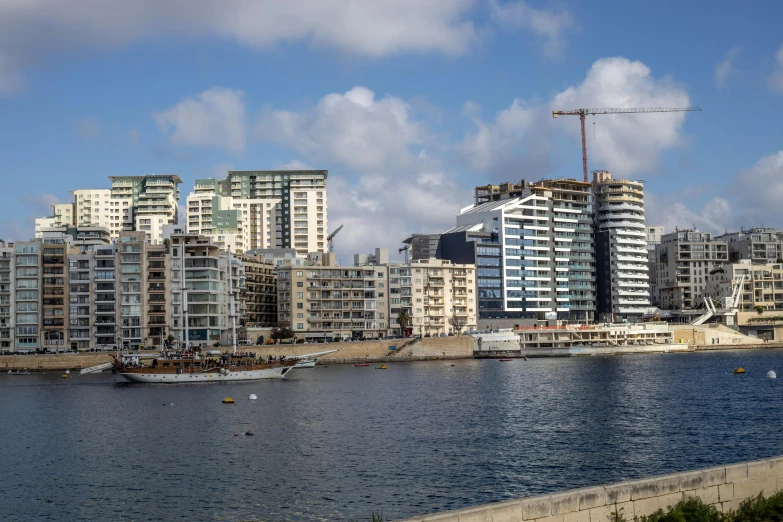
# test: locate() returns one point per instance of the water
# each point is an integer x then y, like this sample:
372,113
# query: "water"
337,443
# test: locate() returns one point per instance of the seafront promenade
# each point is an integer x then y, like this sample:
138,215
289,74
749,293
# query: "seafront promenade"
724,487
406,350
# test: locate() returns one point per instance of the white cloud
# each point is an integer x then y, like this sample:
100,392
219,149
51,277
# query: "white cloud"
214,118
382,184
31,30
750,199
517,139
549,24
726,68
294,165
353,129
625,144
776,80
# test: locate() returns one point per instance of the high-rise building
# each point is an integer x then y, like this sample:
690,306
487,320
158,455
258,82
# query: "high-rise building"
533,250
262,209
759,245
95,207
621,248
27,294
684,262
145,203
63,215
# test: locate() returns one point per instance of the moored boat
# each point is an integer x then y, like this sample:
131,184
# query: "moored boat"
192,368
18,372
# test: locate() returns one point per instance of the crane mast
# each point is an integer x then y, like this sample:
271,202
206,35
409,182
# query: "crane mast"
582,113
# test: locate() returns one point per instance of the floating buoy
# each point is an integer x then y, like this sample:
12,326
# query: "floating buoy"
739,369
65,376
67,371
772,375
252,397
236,434
228,400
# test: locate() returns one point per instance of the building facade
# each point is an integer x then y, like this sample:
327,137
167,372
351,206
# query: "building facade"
262,210
260,296
762,284
327,301
683,262
622,270
443,299
533,248
759,245
7,297
146,203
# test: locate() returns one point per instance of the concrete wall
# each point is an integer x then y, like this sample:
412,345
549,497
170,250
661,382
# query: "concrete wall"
724,487
710,335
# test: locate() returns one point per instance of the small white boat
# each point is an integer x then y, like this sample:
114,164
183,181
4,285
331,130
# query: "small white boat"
18,372
306,363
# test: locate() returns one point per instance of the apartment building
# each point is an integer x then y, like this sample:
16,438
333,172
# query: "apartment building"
654,234
260,296
762,284
27,295
262,209
157,293
7,301
684,260
443,297
760,245
207,270
423,246
324,300
533,250
400,287
62,216
105,295
145,203
623,291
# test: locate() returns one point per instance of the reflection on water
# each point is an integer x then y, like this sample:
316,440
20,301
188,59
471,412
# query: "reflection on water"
339,442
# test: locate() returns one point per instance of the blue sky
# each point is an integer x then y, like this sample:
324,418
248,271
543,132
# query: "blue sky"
408,103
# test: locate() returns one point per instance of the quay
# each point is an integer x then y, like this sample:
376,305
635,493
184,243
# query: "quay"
724,487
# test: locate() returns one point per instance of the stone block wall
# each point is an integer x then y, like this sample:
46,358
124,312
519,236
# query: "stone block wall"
724,487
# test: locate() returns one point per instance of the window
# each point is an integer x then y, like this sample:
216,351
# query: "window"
299,326
299,284
300,306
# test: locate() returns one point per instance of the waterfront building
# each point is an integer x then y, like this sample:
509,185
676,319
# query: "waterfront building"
443,297
400,297
260,295
683,262
7,300
324,300
105,288
27,295
251,210
759,245
532,246
207,271
622,271
762,284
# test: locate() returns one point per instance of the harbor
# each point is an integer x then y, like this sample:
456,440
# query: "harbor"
338,442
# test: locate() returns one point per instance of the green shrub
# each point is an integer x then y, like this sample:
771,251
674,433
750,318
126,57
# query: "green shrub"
687,510
760,509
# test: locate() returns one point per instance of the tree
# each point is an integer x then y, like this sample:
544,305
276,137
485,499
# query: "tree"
457,322
281,332
759,309
404,320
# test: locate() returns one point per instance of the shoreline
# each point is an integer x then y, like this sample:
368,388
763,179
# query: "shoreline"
73,362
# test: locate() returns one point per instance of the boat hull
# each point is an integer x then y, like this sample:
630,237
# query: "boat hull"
192,378
305,364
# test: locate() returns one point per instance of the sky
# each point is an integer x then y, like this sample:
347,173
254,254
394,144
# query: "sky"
408,104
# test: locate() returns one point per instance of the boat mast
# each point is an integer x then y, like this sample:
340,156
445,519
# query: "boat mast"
233,311
184,296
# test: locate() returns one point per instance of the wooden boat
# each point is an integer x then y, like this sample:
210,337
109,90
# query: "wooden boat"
362,365
192,368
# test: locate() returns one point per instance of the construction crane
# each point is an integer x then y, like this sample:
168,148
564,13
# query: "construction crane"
584,112
331,237
405,249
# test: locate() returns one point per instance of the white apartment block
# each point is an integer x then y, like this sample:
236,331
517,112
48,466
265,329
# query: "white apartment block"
762,284
93,207
443,299
621,248
684,261
62,215
150,198
262,209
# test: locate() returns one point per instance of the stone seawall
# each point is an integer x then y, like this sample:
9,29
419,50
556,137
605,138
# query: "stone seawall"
42,363
724,487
